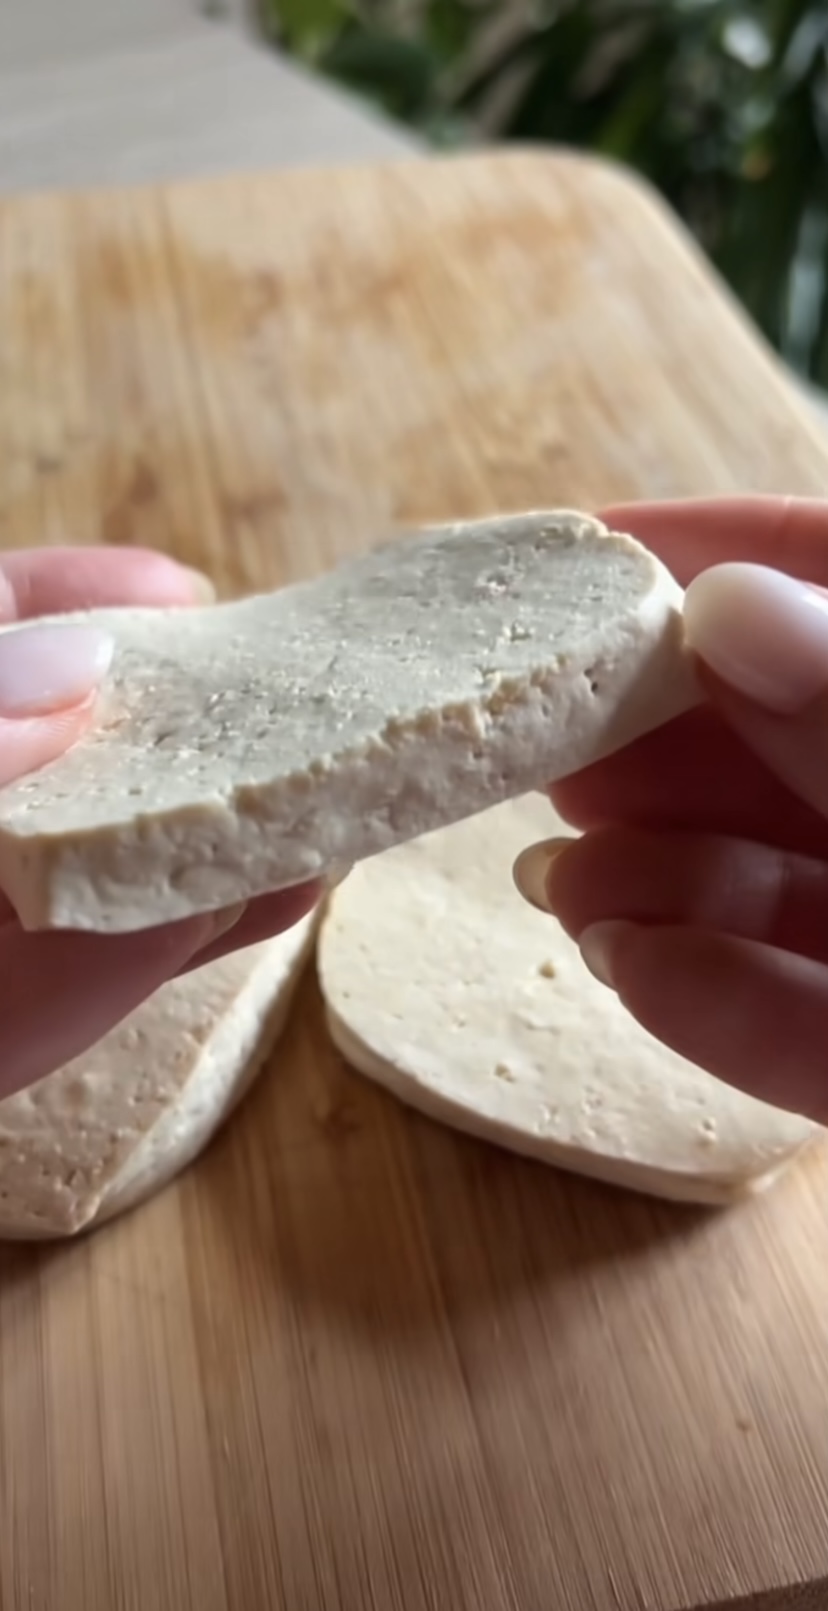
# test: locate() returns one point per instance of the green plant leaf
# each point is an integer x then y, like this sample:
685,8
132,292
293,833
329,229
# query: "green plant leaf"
305,25
397,72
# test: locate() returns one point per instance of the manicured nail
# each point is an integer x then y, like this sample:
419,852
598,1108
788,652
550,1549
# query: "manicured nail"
531,870
50,668
225,920
204,591
599,948
337,875
764,633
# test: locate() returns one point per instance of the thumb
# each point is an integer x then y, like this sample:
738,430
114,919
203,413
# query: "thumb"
49,677
762,638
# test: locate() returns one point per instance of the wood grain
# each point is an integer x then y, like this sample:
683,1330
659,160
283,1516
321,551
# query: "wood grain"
351,1359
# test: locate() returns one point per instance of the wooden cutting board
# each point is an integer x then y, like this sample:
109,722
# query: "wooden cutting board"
351,1359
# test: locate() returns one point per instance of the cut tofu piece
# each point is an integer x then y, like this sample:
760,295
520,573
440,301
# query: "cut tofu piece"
247,747
115,1125
445,987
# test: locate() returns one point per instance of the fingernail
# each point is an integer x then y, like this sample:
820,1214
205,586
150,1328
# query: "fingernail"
225,920
204,591
763,633
337,875
44,669
599,948
531,870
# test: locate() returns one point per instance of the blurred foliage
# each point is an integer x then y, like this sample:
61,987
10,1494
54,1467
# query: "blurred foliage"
723,104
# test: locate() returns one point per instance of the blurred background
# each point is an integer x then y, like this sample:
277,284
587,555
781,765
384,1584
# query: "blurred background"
722,105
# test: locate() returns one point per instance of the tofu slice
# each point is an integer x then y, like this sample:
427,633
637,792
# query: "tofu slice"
115,1125
441,984
247,747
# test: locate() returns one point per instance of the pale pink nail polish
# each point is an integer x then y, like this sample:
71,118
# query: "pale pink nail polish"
204,591
49,668
226,919
598,946
531,870
764,633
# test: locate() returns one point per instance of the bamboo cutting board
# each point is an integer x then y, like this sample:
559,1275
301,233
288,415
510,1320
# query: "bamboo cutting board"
350,1359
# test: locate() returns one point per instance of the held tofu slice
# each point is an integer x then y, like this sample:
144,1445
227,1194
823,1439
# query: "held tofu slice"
247,747
445,987
115,1125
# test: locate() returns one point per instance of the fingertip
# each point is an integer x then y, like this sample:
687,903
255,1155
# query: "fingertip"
55,581
644,520
199,587
600,946
27,745
45,669
49,682
651,967
262,919
762,633
573,797
580,880
90,981
532,869
154,580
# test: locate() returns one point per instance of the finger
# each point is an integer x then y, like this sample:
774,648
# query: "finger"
757,892
50,581
763,638
49,677
245,925
262,920
689,536
752,1016
62,992
694,774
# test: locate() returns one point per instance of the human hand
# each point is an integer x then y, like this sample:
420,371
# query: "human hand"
699,891
60,992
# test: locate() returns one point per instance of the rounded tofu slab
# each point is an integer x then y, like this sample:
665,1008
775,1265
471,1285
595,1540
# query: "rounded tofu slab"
246,747
441,984
115,1125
